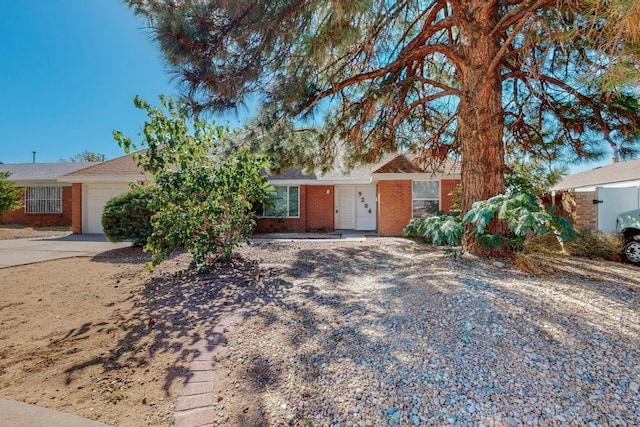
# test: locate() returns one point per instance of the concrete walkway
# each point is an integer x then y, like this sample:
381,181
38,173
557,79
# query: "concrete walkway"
28,251
18,414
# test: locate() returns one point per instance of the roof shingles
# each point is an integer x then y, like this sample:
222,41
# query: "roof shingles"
120,166
616,172
42,171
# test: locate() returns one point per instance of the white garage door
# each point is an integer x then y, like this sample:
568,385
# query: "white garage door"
94,197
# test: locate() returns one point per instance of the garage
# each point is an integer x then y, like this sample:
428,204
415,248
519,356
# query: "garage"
94,198
92,187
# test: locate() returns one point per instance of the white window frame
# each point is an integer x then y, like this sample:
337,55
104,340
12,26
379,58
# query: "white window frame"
417,199
264,208
43,200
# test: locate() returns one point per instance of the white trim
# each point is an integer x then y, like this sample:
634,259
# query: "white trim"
412,177
439,199
621,184
319,182
287,216
363,181
106,179
40,183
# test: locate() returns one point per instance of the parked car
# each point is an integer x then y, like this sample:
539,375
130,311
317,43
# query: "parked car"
628,223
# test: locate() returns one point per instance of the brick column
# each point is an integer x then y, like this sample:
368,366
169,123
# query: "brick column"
76,208
586,210
394,207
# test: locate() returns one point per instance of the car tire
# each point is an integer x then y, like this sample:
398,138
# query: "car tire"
632,252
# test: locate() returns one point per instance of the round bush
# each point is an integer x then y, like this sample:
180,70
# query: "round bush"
128,216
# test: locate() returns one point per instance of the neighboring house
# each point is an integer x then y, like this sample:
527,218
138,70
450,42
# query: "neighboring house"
92,187
594,198
380,198
46,201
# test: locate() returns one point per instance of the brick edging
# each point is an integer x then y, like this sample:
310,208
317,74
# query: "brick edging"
194,406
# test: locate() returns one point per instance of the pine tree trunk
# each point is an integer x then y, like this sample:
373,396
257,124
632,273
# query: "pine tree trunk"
480,118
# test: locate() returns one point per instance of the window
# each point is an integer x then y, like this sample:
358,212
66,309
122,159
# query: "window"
43,200
285,202
426,198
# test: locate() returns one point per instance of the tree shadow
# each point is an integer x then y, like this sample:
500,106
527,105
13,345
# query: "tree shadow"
418,317
173,313
426,319
126,255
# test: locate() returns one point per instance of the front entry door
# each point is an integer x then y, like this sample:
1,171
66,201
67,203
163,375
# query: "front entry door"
345,212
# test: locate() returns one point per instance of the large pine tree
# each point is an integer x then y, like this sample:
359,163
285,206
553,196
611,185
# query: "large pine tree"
476,78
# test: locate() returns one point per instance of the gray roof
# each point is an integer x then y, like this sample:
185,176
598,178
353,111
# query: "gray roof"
290,173
124,166
614,173
391,163
42,171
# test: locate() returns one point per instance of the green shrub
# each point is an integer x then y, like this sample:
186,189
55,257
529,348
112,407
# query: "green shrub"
439,229
520,210
207,210
10,197
524,217
203,195
128,216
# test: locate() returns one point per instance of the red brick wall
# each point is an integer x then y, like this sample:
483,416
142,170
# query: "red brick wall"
586,212
394,207
76,209
19,216
285,225
319,208
446,187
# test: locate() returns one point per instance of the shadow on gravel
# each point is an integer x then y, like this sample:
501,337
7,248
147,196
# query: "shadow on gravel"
479,326
318,322
130,255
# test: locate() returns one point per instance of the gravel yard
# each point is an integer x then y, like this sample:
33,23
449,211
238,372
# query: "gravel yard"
341,333
391,332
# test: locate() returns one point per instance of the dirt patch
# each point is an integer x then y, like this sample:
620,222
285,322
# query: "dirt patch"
332,338
25,232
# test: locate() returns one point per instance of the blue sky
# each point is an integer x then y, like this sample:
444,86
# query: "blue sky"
70,70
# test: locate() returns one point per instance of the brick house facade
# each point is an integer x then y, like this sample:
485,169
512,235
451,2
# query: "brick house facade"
22,217
376,198
379,198
45,200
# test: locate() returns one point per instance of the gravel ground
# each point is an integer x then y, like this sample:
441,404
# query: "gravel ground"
389,332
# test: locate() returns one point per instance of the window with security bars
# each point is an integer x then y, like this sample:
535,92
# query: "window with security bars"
43,200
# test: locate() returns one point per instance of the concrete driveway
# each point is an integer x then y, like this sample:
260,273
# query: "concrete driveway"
28,251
